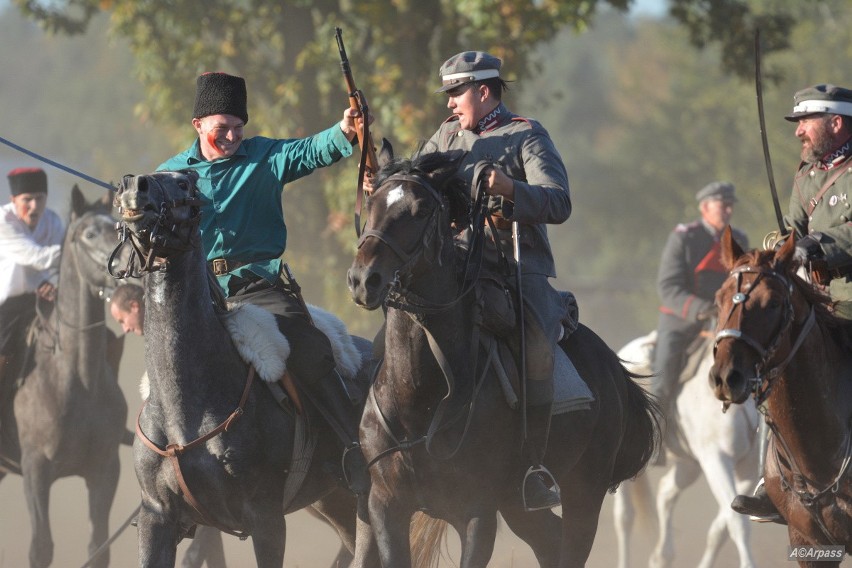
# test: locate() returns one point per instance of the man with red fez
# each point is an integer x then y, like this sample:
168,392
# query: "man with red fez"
244,234
30,246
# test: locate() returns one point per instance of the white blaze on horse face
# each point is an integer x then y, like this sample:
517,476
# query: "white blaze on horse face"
394,195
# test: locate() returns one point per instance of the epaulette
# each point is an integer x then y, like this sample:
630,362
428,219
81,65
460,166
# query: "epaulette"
686,227
451,118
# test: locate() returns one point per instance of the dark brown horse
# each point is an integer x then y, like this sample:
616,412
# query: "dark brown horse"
458,456
69,412
778,342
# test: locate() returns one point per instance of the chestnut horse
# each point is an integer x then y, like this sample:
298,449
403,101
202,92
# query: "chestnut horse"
437,428
778,341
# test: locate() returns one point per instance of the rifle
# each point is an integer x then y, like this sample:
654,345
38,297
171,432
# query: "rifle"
369,164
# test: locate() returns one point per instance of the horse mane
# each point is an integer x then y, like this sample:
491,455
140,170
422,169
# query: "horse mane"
821,302
441,170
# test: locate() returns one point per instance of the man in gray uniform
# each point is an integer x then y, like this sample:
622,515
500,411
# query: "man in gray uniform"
689,275
820,213
527,184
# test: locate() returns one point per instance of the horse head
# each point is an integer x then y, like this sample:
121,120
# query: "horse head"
159,213
408,226
89,242
765,312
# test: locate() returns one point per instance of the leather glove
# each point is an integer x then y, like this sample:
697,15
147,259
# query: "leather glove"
808,248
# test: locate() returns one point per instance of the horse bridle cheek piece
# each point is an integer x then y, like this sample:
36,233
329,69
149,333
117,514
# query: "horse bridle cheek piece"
760,384
166,236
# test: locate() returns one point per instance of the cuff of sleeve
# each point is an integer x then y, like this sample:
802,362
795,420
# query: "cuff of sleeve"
340,142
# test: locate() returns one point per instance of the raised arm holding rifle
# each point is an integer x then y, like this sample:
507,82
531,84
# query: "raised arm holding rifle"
368,165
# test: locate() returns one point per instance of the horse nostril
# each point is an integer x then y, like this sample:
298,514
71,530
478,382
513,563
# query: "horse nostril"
351,280
373,281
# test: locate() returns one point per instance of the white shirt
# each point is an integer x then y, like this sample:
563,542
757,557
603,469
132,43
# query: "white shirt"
27,257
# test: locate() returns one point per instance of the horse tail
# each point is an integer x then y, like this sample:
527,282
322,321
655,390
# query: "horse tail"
426,535
642,430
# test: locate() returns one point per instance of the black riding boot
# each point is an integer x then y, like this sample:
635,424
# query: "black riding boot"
539,490
758,506
343,417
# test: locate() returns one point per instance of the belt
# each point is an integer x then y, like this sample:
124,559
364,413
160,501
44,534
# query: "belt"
221,266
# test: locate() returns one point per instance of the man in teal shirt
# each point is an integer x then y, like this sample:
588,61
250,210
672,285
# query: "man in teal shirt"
244,234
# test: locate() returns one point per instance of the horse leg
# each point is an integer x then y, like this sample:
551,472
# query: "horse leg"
719,472
624,514
390,521
541,530
102,484
477,534
582,497
337,509
269,537
681,475
37,481
157,537
205,547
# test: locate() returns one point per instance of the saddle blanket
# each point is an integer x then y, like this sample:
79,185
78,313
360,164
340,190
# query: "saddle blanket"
259,342
570,391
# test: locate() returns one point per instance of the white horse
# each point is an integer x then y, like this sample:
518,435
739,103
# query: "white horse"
698,438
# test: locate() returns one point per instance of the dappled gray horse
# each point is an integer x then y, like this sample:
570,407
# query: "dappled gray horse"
69,410
220,448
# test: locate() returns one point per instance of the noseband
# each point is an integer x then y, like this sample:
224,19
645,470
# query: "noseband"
739,300
152,244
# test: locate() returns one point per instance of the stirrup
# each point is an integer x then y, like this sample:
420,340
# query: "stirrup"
365,474
548,480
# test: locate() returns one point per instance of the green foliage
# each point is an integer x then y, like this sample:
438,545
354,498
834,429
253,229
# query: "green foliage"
642,118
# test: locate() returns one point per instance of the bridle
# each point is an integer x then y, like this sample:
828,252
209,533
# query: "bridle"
152,244
428,234
761,384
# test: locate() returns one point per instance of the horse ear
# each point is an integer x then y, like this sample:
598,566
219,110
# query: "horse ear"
731,250
784,255
385,155
78,202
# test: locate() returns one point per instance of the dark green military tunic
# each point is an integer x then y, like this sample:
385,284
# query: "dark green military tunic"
831,215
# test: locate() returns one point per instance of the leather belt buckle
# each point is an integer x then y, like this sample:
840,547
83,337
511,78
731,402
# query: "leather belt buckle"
219,266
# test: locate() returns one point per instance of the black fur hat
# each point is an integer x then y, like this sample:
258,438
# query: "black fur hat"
220,93
27,180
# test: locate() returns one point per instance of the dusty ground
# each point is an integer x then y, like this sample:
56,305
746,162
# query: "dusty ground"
311,544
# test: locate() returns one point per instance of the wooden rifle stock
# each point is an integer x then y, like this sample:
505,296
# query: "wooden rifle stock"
357,101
